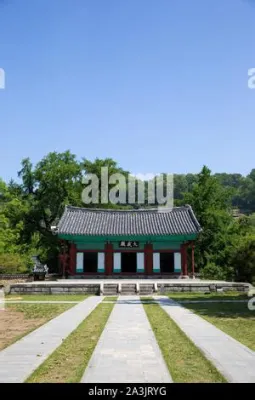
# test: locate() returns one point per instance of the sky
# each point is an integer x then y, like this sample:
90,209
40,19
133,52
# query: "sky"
157,85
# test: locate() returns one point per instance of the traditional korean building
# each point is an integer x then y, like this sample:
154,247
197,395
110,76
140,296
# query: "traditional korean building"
146,242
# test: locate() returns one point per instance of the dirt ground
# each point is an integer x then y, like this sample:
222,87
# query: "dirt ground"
13,325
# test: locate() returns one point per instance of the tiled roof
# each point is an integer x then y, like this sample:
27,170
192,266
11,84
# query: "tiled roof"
98,222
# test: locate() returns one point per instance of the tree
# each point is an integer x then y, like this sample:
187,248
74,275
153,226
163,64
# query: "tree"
211,204
109,167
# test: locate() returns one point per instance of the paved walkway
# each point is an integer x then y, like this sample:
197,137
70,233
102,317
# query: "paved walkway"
19,360
127,350
234,360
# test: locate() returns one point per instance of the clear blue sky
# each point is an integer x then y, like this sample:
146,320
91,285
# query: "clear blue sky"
156,85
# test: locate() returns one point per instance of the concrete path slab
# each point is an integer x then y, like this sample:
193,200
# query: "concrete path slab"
19,360
127,350
235,361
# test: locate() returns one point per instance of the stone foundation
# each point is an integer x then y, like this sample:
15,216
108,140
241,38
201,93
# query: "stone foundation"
94,288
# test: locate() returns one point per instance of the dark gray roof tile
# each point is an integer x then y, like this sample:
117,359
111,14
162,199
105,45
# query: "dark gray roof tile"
95,222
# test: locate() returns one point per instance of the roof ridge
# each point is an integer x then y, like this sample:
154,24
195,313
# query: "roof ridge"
132,210
194,218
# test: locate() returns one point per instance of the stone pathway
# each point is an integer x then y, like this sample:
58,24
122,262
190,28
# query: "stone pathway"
127,350
234,360
19,360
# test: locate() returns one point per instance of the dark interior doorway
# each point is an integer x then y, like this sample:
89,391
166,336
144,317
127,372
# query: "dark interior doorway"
128,262
166,262
90,262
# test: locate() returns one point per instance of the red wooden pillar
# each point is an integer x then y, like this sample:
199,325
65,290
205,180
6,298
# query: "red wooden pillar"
63,257
148,252
72,258
108,259
193,259
184,259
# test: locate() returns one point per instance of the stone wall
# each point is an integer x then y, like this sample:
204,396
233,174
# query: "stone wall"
94,288
55,289
203,287
13,276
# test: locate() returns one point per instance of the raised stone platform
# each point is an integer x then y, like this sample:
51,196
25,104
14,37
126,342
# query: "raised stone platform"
129,286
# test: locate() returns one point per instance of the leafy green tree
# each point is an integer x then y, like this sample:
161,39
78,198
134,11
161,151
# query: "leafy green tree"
211,204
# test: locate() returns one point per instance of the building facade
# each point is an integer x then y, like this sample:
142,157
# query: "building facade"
118,243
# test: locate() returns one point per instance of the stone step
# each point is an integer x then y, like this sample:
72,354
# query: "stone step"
110,285
146,288
109,289
128,285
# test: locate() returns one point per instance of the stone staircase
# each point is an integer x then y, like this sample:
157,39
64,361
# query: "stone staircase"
146,289
110,289
128,288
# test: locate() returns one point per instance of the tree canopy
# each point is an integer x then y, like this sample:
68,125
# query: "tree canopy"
30,205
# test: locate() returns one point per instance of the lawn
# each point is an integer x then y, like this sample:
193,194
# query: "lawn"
68,362
17,320
184,296
185,361
47,297
235,319
111,298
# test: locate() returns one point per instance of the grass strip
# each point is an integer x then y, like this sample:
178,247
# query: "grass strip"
185,361
33,311
68,362
110,298
184,296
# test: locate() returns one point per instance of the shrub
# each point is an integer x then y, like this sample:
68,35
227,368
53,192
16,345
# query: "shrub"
213,271
12,264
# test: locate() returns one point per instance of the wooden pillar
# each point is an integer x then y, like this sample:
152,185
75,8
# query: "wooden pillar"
184,259
72,259
63,257
148,253
108,259
193,259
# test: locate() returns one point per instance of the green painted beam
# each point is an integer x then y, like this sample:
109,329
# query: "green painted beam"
93,239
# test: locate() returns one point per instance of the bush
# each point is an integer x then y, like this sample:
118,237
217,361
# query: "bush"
243,259
213,271
13,264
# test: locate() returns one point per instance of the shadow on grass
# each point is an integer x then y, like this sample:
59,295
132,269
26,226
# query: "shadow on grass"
223,310
206,296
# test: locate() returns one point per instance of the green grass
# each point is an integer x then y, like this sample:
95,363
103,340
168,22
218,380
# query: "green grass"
34,311
185,361
183,296
110,298
235,319
68,362
47,297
